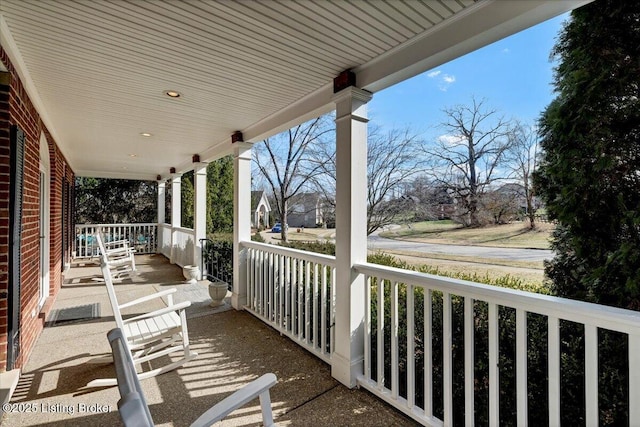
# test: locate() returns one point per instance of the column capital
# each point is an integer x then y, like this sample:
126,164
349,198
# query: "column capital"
354,93
241,147
176,177
200,166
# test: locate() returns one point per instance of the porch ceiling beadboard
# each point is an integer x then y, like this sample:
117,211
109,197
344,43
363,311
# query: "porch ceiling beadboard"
99,68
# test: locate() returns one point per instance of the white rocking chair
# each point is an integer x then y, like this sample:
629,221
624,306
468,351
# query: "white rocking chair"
133,408
151,335
119,256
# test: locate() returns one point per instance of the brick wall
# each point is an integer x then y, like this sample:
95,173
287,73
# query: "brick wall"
4,217
20,111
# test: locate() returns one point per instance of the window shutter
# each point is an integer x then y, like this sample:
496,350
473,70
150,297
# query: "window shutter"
15,239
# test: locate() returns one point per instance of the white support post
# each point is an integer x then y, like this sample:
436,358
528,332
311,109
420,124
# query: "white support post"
241,221
162,193
176,213
351,233
199,212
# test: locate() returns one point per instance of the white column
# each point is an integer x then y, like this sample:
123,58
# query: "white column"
162,192
176,213
351,232
199,211
241,221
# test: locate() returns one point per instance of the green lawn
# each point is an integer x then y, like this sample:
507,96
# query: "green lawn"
516,235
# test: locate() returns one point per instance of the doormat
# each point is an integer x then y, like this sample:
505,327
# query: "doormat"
78,313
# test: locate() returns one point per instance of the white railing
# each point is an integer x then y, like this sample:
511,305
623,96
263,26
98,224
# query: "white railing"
294,292
447,317
183,246
142,237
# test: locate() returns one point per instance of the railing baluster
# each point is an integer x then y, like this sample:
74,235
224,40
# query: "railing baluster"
261,275
494,379
447,359
316,272
256,281
634,380
332,308
294,290
256,254
281,289
394,340
380,333
250,277
554,371
301,284
323,308
287,294
411,353
469,362
272,272
367,327
521,367
591,374
428,353
265,284
307,302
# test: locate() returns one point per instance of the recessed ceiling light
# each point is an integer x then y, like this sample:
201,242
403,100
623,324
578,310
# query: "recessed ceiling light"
133,155
172,93
125,168
145,134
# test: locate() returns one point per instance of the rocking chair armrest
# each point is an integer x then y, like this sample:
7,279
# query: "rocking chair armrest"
120,251
236,400
120,242
148,298
159,312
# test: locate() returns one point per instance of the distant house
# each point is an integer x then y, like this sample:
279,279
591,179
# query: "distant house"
305,210
260,210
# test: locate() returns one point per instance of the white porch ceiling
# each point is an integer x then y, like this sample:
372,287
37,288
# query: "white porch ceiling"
97,69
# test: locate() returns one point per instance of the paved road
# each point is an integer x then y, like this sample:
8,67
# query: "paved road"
377,242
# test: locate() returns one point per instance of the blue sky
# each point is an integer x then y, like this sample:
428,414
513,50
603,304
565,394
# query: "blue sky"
513,74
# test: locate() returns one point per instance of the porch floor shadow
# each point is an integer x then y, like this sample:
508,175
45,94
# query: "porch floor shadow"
233,348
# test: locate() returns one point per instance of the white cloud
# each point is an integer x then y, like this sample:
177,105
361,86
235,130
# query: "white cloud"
444,80
450,140
447,80
506,50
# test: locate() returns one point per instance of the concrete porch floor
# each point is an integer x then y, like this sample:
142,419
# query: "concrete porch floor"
233,348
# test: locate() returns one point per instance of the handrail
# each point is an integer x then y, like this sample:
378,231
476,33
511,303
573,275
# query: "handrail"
280,250
615,319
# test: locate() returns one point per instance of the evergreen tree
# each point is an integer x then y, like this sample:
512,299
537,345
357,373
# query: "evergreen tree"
114,201
590,180
187,206
220,195
590,172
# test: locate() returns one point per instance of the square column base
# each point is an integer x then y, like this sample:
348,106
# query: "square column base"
346,371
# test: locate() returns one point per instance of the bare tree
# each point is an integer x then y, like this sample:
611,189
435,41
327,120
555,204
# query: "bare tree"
469,157
502,204
392,158
286,165
522,157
